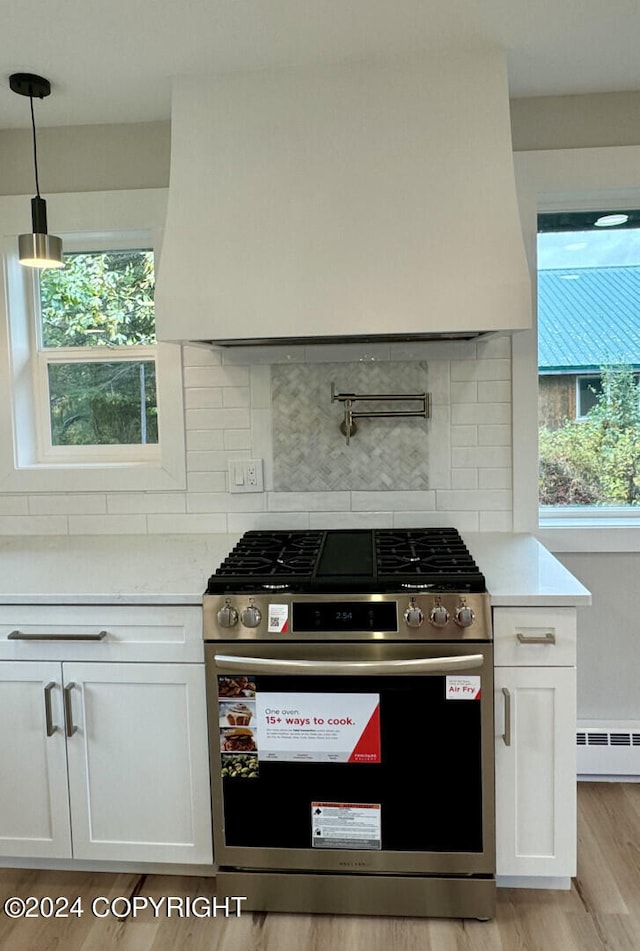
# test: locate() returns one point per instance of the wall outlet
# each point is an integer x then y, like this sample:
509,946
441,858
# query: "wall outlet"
245,475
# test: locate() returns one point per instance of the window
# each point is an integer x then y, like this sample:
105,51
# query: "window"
588,392
588,359
572,180
95,401
96,356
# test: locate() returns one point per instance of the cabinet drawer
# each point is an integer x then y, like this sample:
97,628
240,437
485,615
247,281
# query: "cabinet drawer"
540,637
101,632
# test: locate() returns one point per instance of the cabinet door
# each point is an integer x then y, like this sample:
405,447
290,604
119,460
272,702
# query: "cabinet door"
34,813
535,771
138,762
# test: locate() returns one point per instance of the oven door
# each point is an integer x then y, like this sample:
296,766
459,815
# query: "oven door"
364,757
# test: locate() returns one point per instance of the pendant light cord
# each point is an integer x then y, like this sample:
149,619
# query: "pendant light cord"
35,148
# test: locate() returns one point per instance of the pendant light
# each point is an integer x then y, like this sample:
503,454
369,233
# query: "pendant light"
38,249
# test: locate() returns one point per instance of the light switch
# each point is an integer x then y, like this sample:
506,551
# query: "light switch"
245,475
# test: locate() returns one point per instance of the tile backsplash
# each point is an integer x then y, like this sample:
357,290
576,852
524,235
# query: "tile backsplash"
274,404
311,454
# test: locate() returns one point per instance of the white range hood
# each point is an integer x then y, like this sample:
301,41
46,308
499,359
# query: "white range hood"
351,202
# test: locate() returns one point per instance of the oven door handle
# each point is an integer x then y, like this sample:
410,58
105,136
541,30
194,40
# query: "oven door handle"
227,663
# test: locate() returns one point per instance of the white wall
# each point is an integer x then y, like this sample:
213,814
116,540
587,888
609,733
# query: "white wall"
86,158
609,635
576,122
228,415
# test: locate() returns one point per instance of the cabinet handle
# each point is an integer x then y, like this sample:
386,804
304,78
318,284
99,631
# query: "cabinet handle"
68,712
51,727
548,637
506,736
21,636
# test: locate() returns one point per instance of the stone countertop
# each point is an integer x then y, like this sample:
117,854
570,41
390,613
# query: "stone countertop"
109,569
173,569
519,571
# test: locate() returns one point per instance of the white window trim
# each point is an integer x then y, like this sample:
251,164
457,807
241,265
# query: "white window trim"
93,214
547,181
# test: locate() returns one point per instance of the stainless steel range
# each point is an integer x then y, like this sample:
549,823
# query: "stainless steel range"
350,685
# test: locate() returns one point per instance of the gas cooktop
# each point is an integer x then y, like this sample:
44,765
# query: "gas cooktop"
349,560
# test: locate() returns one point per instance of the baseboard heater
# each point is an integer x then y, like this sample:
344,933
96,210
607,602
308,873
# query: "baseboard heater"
608,749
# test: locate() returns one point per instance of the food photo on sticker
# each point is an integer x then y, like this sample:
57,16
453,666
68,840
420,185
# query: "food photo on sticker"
236,687
236,714
237,740
239,766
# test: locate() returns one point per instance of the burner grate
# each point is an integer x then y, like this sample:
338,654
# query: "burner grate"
282,564
339,560
270,542
429,553
272,554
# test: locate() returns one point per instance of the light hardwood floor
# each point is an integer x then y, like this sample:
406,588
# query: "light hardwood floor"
600,913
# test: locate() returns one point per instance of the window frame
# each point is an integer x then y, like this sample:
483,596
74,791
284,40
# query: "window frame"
581,378
47,452
554,181
96,221
45,356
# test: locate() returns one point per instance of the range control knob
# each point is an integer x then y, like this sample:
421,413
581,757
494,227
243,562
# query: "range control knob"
464,616
227,615
439,615
251,615
413,616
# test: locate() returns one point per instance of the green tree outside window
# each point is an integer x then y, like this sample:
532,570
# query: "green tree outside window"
101,300
596,461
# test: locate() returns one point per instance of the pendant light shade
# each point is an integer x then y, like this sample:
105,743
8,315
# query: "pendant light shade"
39,248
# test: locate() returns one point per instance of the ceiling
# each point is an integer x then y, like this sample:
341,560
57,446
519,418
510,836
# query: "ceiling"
113,61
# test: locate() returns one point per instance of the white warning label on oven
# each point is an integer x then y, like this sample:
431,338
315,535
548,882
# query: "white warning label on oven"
346,825
278,622
462,688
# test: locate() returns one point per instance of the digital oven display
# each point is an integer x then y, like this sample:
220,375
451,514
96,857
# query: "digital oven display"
345,616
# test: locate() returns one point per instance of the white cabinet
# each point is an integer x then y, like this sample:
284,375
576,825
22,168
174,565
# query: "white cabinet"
102,761
535,770
105,632
34,818
535,717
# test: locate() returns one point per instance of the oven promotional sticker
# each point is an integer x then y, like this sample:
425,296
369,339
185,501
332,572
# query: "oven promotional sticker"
462,688
319,727
237,725
278,619
345,825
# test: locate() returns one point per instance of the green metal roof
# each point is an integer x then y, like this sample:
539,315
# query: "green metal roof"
587,318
